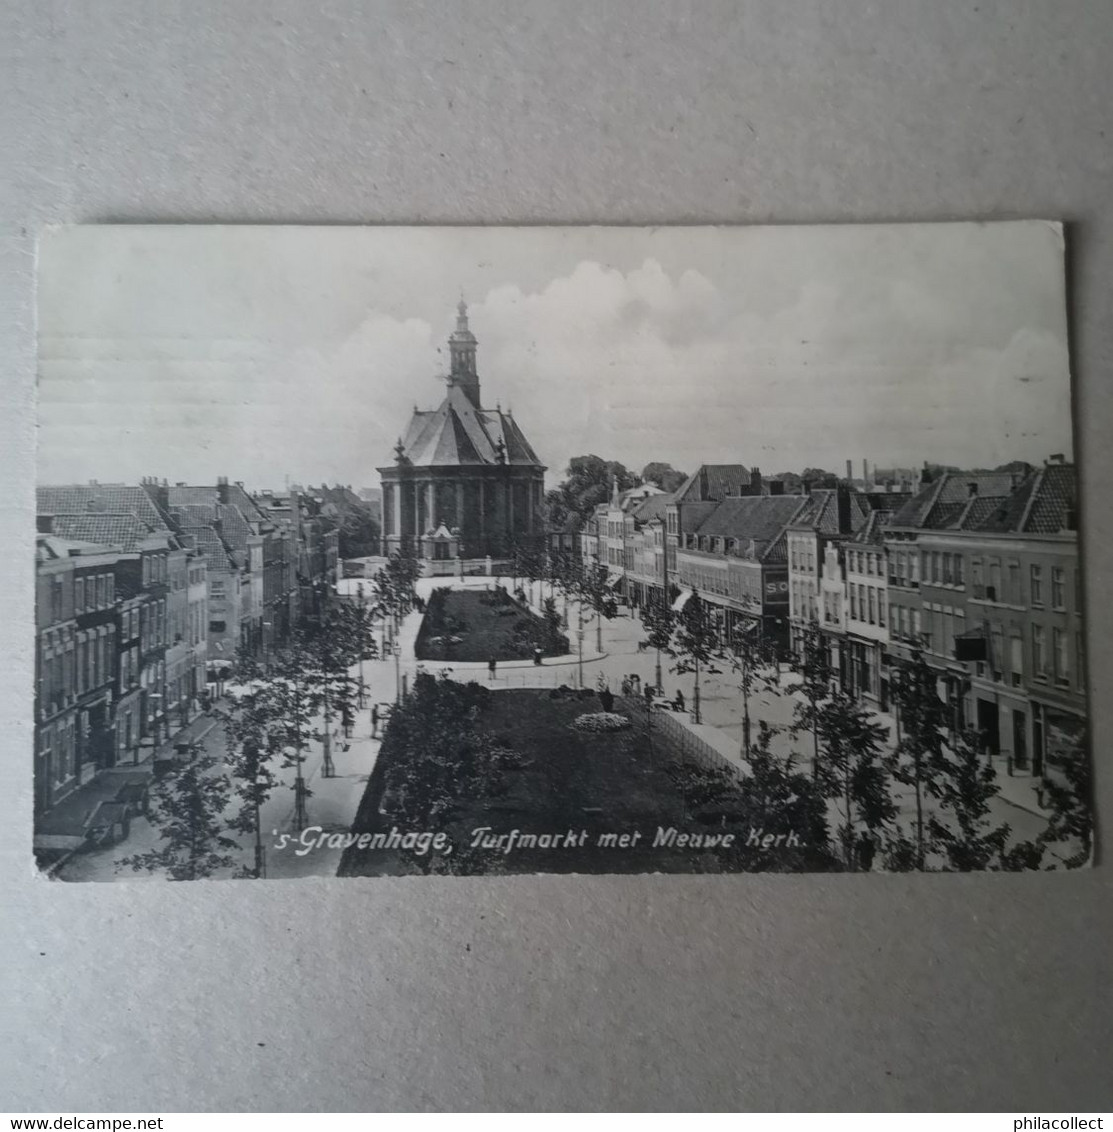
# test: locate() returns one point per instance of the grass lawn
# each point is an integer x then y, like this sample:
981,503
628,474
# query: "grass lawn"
506,631
615,782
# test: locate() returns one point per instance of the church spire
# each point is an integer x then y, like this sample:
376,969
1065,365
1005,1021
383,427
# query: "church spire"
461,347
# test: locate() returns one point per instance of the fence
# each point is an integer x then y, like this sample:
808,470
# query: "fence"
691,745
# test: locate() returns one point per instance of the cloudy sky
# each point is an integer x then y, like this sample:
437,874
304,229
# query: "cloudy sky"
262,353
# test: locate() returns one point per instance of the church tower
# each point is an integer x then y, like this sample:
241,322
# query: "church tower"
464,483
461,345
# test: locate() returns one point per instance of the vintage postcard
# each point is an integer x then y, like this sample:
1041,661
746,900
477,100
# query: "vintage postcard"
402,551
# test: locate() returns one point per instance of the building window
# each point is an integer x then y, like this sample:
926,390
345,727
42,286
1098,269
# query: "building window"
997,651
854,602
948,573
79,595
1036,574
960,570
977,578
873,605
993,591
1039,654
880,609
1014,595
1059,656
1058,597
1016,651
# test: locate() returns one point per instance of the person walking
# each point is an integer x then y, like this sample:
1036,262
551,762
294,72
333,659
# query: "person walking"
537,655
491,666
678,703
374,721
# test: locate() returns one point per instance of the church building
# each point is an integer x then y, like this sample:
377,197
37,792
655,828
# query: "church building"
465,482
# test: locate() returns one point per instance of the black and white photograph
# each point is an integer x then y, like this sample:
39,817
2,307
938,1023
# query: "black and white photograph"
480,551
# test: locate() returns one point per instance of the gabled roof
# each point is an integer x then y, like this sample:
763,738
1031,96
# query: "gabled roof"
1044,502
821,512
871,532
206,541
459,433
1054,503
758,518
652,507
111,530
713,482
941,503
194,514
181,495
112,498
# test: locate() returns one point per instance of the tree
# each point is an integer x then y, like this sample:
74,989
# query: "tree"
852,771
295,702
659,621
326,653
965,783
696,645
594,591
362,619
783,801
588,482
187,809
254,742
665,476
814,668
1071,801
753,661
440,756
925,721
551,616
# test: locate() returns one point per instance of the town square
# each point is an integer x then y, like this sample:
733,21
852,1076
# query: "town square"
480,663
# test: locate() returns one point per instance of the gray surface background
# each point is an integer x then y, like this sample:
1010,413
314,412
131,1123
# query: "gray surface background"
986,992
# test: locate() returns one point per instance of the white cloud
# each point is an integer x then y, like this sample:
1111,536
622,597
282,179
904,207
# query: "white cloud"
778,347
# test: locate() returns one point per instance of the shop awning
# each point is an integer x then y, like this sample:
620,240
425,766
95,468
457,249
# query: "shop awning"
681,601
614,581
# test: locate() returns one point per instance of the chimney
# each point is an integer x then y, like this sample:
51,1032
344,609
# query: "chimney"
1056,458
972,488
755,481
44,524
222,488
776,487
865,473
842,504
849,470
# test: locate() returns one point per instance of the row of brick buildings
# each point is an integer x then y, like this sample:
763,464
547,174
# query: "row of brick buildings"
980,570
145,596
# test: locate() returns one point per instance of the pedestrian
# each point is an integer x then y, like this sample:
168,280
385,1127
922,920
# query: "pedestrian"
678,703
491,666
537,655
374,721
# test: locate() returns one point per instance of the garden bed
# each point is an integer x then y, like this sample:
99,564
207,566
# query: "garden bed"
478,625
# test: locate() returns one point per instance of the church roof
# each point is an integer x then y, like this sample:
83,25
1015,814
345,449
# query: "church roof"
458,433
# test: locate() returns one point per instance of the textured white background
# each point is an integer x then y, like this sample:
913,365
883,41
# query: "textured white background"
555,992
